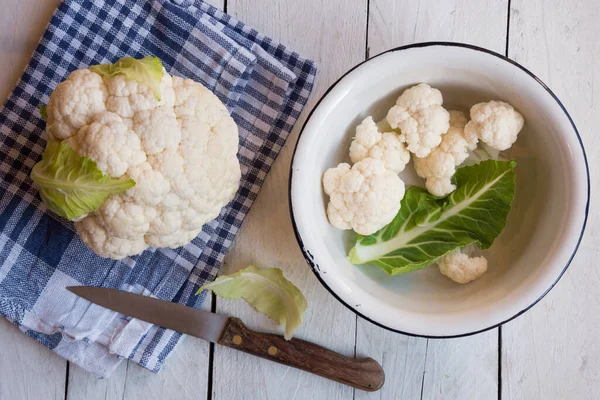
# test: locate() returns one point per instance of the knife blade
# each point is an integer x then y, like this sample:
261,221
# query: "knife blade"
364,373
202,324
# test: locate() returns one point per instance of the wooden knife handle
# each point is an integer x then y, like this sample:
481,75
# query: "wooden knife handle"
365,373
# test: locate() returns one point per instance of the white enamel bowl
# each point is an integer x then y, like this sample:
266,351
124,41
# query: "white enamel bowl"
544,227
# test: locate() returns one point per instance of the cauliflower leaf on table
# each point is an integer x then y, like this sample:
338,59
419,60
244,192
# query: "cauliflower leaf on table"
267,291
428,227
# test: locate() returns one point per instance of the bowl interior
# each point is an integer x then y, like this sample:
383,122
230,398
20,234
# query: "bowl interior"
544,225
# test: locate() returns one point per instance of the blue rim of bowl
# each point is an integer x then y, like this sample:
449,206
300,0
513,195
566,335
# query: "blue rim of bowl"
315,267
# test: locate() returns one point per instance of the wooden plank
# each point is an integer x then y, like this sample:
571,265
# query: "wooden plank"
420,368
402,358
464,368
333,34
552,351
395,23
83,385
28,370
185,376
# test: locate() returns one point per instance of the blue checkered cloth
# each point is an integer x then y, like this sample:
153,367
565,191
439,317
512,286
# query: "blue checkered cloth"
265,87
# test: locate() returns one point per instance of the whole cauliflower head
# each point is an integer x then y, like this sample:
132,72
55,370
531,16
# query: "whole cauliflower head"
365,197
495,123
440,165
421,118
387,146
176,141
461,268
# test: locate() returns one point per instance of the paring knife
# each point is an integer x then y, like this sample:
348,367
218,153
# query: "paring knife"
365,373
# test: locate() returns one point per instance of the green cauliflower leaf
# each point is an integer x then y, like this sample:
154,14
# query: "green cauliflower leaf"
428,227
43,112
72,185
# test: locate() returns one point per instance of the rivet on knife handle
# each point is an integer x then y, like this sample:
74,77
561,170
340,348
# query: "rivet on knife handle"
365,373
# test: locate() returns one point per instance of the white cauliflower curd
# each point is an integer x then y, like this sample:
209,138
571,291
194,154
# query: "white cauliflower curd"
169,135
495,123
369,142
365,197
421,118
440,165
461,268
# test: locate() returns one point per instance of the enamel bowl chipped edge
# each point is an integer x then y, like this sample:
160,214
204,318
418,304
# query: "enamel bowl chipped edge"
544,227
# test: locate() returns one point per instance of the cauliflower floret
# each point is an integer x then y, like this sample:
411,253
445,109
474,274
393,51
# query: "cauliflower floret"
151,186
181,151
461,268
158,129
106,243
439,186
440,165
193,100
74,103
124,219
166,223
421,118
495,123
387,146
456,141
109,142
365,197
127,97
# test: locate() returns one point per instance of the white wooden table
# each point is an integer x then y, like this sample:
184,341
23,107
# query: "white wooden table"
551,352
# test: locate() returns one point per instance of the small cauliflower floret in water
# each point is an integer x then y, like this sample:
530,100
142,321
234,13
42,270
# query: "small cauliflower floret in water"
495,123
181,151
440,165
387,146
421,118
365,197
461,268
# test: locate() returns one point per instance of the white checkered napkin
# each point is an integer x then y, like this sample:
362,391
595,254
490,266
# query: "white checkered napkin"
264,85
